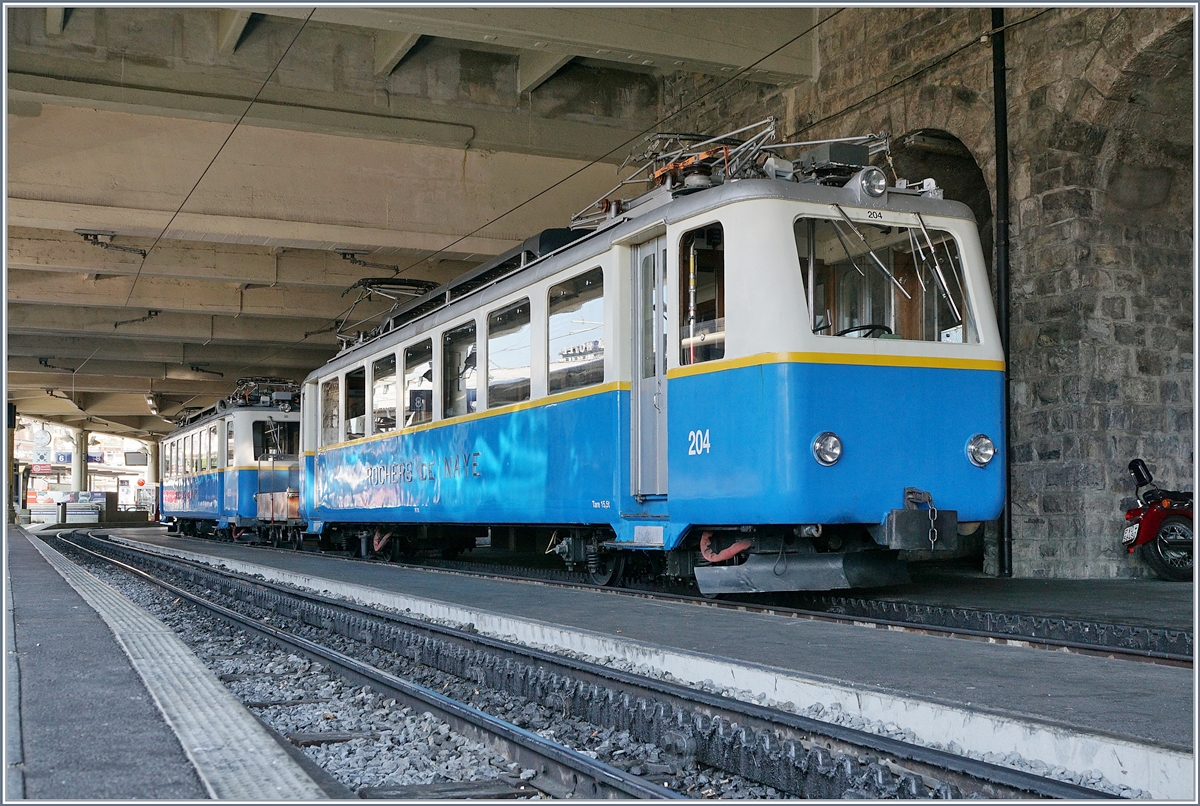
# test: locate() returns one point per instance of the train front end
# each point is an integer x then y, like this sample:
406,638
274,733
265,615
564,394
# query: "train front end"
843,392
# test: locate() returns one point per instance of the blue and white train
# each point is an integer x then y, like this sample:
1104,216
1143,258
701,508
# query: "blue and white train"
768,375
233,468
778,376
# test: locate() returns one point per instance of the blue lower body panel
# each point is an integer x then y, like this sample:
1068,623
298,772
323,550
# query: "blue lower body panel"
553,464
568,463
224,495
899,426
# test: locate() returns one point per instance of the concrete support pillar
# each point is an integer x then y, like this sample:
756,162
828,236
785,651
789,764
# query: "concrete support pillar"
152,463
79,461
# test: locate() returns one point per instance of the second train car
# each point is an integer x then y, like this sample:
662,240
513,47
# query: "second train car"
232,469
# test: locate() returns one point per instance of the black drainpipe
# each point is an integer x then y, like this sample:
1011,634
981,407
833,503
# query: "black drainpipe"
1000,88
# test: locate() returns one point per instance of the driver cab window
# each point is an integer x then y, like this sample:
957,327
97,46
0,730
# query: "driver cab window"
274,440
702,295
868,280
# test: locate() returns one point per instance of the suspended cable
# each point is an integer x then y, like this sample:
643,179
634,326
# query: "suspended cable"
225,142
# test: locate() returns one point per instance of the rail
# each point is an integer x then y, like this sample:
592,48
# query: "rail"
562,772
777,748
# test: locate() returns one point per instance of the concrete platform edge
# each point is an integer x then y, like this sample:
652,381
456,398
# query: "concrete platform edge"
14,776
231,752
1166,772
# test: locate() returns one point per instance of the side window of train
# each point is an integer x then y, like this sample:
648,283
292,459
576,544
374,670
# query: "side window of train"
356,403
187,453
383,395
418,383
202,450
213,446
229,449
576,332
459,371
702,295
508,354
330,424
890,282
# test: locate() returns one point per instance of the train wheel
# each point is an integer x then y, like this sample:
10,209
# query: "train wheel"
608,569
1169,554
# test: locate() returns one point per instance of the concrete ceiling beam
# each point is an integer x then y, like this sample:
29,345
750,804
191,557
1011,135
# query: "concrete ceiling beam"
423,122
390,49
64,349
40,319
294,234
231,23
215,388
56,20
57,251
536,66
717,41
184,296
264,113
146,370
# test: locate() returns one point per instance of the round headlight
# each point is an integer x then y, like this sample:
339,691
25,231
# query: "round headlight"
827,448
873,181
980,450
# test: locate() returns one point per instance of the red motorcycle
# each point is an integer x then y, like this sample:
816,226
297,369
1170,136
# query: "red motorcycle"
1161,527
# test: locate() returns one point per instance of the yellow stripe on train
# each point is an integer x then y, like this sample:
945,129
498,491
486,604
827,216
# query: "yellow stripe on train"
861,359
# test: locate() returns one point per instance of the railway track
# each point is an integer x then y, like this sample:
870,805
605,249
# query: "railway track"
1055,633
561,771
791,753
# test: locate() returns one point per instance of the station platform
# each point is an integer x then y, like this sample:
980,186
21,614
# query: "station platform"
104,702
940,687
1154,603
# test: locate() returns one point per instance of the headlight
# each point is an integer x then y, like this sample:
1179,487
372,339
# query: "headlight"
827,448
873,181
980,450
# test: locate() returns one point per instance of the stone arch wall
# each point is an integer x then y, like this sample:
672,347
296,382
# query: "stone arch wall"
1102,293
1101,255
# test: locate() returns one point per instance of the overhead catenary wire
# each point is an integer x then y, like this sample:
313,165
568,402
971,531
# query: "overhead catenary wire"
647,130
224,143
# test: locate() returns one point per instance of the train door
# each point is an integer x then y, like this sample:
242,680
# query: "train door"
649,393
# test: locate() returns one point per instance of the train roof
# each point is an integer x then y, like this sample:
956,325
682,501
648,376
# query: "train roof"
250,394
662,205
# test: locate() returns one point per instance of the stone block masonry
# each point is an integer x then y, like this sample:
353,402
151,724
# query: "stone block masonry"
1102,254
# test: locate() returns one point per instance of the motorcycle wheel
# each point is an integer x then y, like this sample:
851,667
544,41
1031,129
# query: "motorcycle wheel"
1169,554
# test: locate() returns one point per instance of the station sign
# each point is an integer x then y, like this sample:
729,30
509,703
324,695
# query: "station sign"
41,469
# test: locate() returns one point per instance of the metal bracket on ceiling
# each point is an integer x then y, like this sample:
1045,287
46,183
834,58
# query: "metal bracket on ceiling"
353,255
201,368
45,362
103,239
150,314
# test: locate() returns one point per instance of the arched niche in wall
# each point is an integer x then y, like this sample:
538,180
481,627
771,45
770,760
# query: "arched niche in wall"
938,154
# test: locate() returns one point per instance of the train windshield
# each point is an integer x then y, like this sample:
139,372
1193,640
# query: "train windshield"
274,440
867,280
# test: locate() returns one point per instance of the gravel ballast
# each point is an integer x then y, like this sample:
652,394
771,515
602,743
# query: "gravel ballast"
396,747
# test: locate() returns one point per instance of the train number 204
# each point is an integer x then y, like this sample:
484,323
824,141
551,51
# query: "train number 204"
698,442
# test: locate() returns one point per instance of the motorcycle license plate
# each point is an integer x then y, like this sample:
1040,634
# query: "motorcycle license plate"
1130,535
